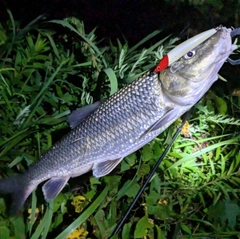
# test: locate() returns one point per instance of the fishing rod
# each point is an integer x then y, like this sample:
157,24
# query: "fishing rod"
150,175
167,60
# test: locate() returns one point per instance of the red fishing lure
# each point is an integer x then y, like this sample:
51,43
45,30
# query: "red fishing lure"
183,48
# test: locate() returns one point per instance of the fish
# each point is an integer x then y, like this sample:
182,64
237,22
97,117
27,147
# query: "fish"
107,131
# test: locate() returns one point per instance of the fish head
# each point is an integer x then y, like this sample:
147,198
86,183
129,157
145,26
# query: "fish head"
186,80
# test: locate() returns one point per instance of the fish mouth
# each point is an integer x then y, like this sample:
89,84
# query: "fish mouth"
192,83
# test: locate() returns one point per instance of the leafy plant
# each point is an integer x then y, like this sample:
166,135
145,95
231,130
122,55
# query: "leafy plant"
44,75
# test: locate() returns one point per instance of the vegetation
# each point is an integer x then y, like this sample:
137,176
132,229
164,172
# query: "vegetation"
45,74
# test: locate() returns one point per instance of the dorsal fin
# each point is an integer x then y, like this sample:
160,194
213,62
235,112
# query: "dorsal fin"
78,115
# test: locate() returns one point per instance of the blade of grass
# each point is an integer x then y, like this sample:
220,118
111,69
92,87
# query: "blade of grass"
190,142
48,221
150,49
145,39
202,151
43,227
15,139
54,47
113,80
40,95
70,27
29,26
13,33
140,59
85,215
33,212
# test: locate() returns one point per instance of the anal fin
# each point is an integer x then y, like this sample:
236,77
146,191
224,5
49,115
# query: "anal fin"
53,187
104,168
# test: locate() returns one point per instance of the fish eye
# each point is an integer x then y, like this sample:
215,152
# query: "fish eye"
189,55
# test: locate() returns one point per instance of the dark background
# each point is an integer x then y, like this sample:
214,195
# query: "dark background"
133,19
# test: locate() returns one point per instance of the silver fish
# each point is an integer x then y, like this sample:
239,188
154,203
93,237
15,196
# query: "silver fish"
105,132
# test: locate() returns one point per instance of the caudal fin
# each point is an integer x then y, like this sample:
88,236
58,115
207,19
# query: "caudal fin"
16,186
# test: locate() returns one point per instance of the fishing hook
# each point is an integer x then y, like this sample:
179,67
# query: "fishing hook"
183,48
235,32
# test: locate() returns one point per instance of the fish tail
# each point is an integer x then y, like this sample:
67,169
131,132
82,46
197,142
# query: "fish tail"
18,188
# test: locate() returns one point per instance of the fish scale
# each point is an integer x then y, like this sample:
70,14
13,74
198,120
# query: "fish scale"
107,129
105,132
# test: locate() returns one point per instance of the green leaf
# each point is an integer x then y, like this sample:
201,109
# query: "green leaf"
155,184
221,105
226,212
142,227
126,230
147,153
162,211
102,223
160,233
186,229
112,183
19,227
5,232
59,201
132,190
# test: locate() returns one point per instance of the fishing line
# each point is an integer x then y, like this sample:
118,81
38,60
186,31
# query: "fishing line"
150,175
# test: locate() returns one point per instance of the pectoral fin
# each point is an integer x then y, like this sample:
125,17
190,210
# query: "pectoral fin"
53,187
160,123
104,168
78,115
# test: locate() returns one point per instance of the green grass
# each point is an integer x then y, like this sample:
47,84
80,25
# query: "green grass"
44,75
